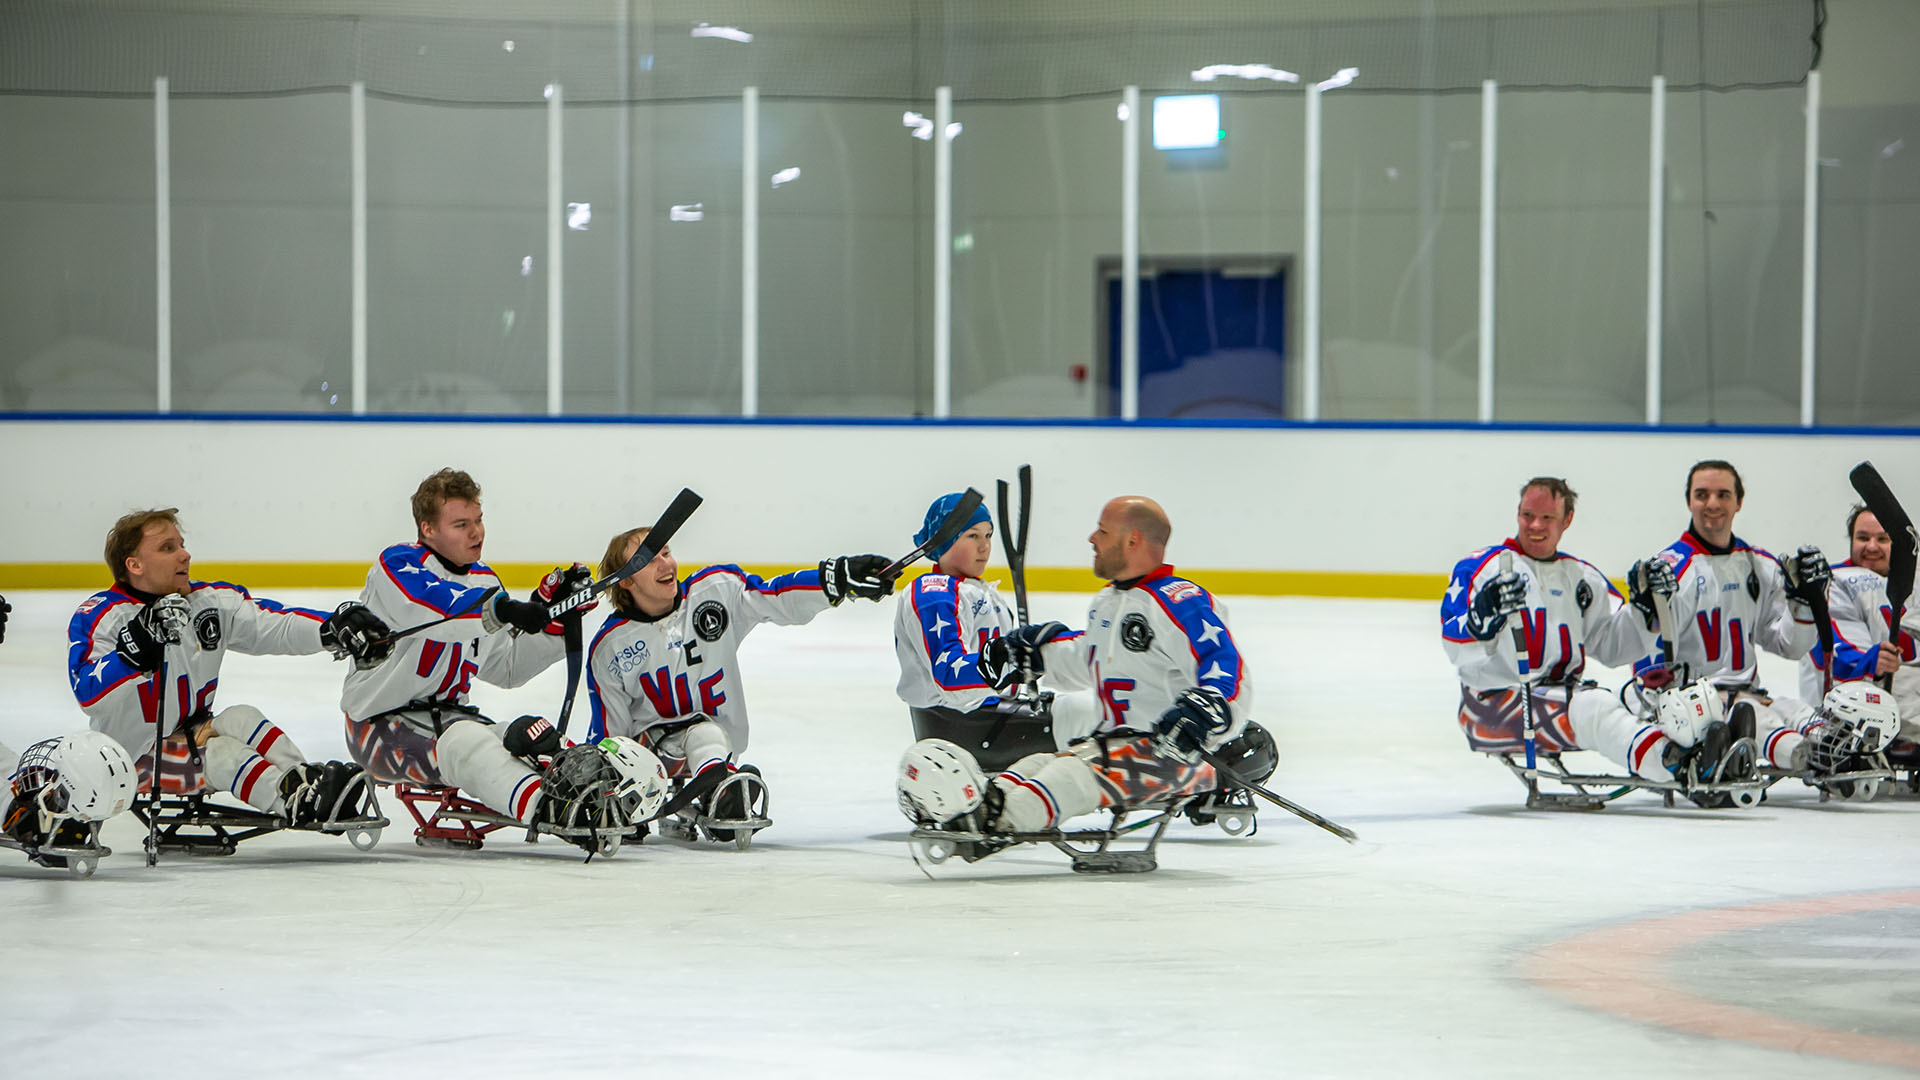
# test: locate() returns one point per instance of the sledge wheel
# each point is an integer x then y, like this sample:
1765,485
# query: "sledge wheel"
363,839
1235,822
934,851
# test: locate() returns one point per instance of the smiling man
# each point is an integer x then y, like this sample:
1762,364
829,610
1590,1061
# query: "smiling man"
1524,612
157,618
1732,597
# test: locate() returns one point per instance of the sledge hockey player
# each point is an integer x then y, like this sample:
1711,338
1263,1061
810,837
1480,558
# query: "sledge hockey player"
408,720
941,631
1170,682
664,669
1519,621
156,619
1732,596
1857,600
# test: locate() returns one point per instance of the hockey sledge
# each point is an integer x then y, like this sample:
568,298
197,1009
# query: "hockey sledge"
196,825
688,818
1090,851
1593,791
1851,785
78,860
443,817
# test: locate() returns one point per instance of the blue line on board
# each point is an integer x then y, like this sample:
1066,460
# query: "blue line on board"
1095,423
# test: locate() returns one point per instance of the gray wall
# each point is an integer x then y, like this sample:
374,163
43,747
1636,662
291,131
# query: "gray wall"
457,250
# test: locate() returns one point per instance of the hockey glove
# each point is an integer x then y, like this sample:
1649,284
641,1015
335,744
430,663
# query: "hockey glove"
4,608
531,737
1807,574
353,631
1647,581
854,575
523,615
1498,598
1014,657
560,583
1198,714
144,639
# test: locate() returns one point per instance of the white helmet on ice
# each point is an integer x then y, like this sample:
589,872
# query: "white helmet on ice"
1870,711
642,786
85,776
1685,712
939,781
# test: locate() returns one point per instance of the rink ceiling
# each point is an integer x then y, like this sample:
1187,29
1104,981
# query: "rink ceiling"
823,951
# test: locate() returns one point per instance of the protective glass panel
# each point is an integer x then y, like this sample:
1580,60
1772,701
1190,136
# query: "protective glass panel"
262,318
840,246
1732,320
456,258
1570,321
77,258
1400,256
686,258
1869,261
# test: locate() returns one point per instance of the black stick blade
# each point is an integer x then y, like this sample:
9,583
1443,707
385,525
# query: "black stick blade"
675,515
954,524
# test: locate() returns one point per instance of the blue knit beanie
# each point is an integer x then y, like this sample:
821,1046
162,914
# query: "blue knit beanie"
937,513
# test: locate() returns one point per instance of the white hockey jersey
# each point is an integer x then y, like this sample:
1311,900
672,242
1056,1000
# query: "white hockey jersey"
411,585
644,672
125,703
1145,643
941,624
1573,612
1857,600
1726,605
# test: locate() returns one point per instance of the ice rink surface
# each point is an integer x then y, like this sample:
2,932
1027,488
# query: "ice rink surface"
1464,936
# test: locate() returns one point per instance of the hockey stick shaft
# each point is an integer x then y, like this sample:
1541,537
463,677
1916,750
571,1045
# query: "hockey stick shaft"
1523,661
954,525
153,773
1014,541
431,623
1220,766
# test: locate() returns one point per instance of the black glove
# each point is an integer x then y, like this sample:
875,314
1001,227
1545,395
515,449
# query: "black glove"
352,630
1198,714
4,608
1807,574
525,616
1646,581
560,583
1014,657
855,575
143,640
1498,598
531,737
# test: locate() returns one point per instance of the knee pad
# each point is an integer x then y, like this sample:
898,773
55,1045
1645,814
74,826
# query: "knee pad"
1062,787
703,744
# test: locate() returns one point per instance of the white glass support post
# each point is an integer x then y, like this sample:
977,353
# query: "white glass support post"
556,230
162,251
1656,242
942,252
1310,271
1809,249
1130,256
749,252
357,151
1489,189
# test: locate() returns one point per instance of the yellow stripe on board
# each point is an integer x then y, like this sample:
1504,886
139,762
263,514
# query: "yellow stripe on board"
1064,579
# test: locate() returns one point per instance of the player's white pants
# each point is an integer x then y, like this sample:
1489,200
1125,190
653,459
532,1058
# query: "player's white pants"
1042,790
1075,715
248,755
1906,694
470,757
1600,724
1778,725
691,750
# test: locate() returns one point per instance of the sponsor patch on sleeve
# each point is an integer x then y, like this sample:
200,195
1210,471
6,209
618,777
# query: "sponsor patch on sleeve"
1176,591
935,583
92,602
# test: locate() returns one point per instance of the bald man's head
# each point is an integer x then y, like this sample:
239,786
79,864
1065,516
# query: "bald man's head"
1130,538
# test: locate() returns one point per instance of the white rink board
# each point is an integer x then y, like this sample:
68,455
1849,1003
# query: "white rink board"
1362,499
823,952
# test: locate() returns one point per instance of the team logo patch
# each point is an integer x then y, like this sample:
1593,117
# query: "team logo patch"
206,629
935,583
1135,634
710,620
1176,591
1583,595
92,602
